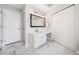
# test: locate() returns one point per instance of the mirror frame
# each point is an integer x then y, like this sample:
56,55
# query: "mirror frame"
31,21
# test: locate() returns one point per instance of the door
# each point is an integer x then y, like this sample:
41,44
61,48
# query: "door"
64,27
0,26
11,26
77,25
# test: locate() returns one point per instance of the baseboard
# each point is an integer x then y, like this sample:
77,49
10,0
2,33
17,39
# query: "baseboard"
75,51
12,43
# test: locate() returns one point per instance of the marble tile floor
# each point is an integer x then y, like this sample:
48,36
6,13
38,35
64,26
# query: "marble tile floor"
50,48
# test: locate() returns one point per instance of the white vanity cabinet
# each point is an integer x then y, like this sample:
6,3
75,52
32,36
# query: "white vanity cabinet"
36,39
40,39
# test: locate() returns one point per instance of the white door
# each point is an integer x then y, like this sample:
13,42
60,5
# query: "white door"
0,26
11,26
64,27
77,25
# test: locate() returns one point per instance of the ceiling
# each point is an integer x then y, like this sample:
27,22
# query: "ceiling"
44,7
19,6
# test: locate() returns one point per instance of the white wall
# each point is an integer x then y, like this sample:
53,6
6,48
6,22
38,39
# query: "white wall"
62,26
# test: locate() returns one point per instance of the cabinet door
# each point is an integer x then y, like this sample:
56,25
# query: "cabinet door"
40,39
37,40
11,26
0,26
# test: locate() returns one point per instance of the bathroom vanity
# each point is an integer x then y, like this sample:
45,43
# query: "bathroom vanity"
36,39
37,34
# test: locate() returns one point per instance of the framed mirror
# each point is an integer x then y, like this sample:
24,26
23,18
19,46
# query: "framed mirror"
36,21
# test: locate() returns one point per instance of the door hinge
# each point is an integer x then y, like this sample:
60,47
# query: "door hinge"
1,11
1,40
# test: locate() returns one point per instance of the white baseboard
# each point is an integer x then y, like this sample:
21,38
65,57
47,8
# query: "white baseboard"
77,51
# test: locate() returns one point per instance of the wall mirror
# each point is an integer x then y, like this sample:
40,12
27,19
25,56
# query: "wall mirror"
36,21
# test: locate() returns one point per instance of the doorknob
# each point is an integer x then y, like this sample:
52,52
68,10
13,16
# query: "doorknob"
23,28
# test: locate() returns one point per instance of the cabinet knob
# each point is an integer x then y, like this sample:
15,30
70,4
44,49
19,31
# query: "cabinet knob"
36,30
